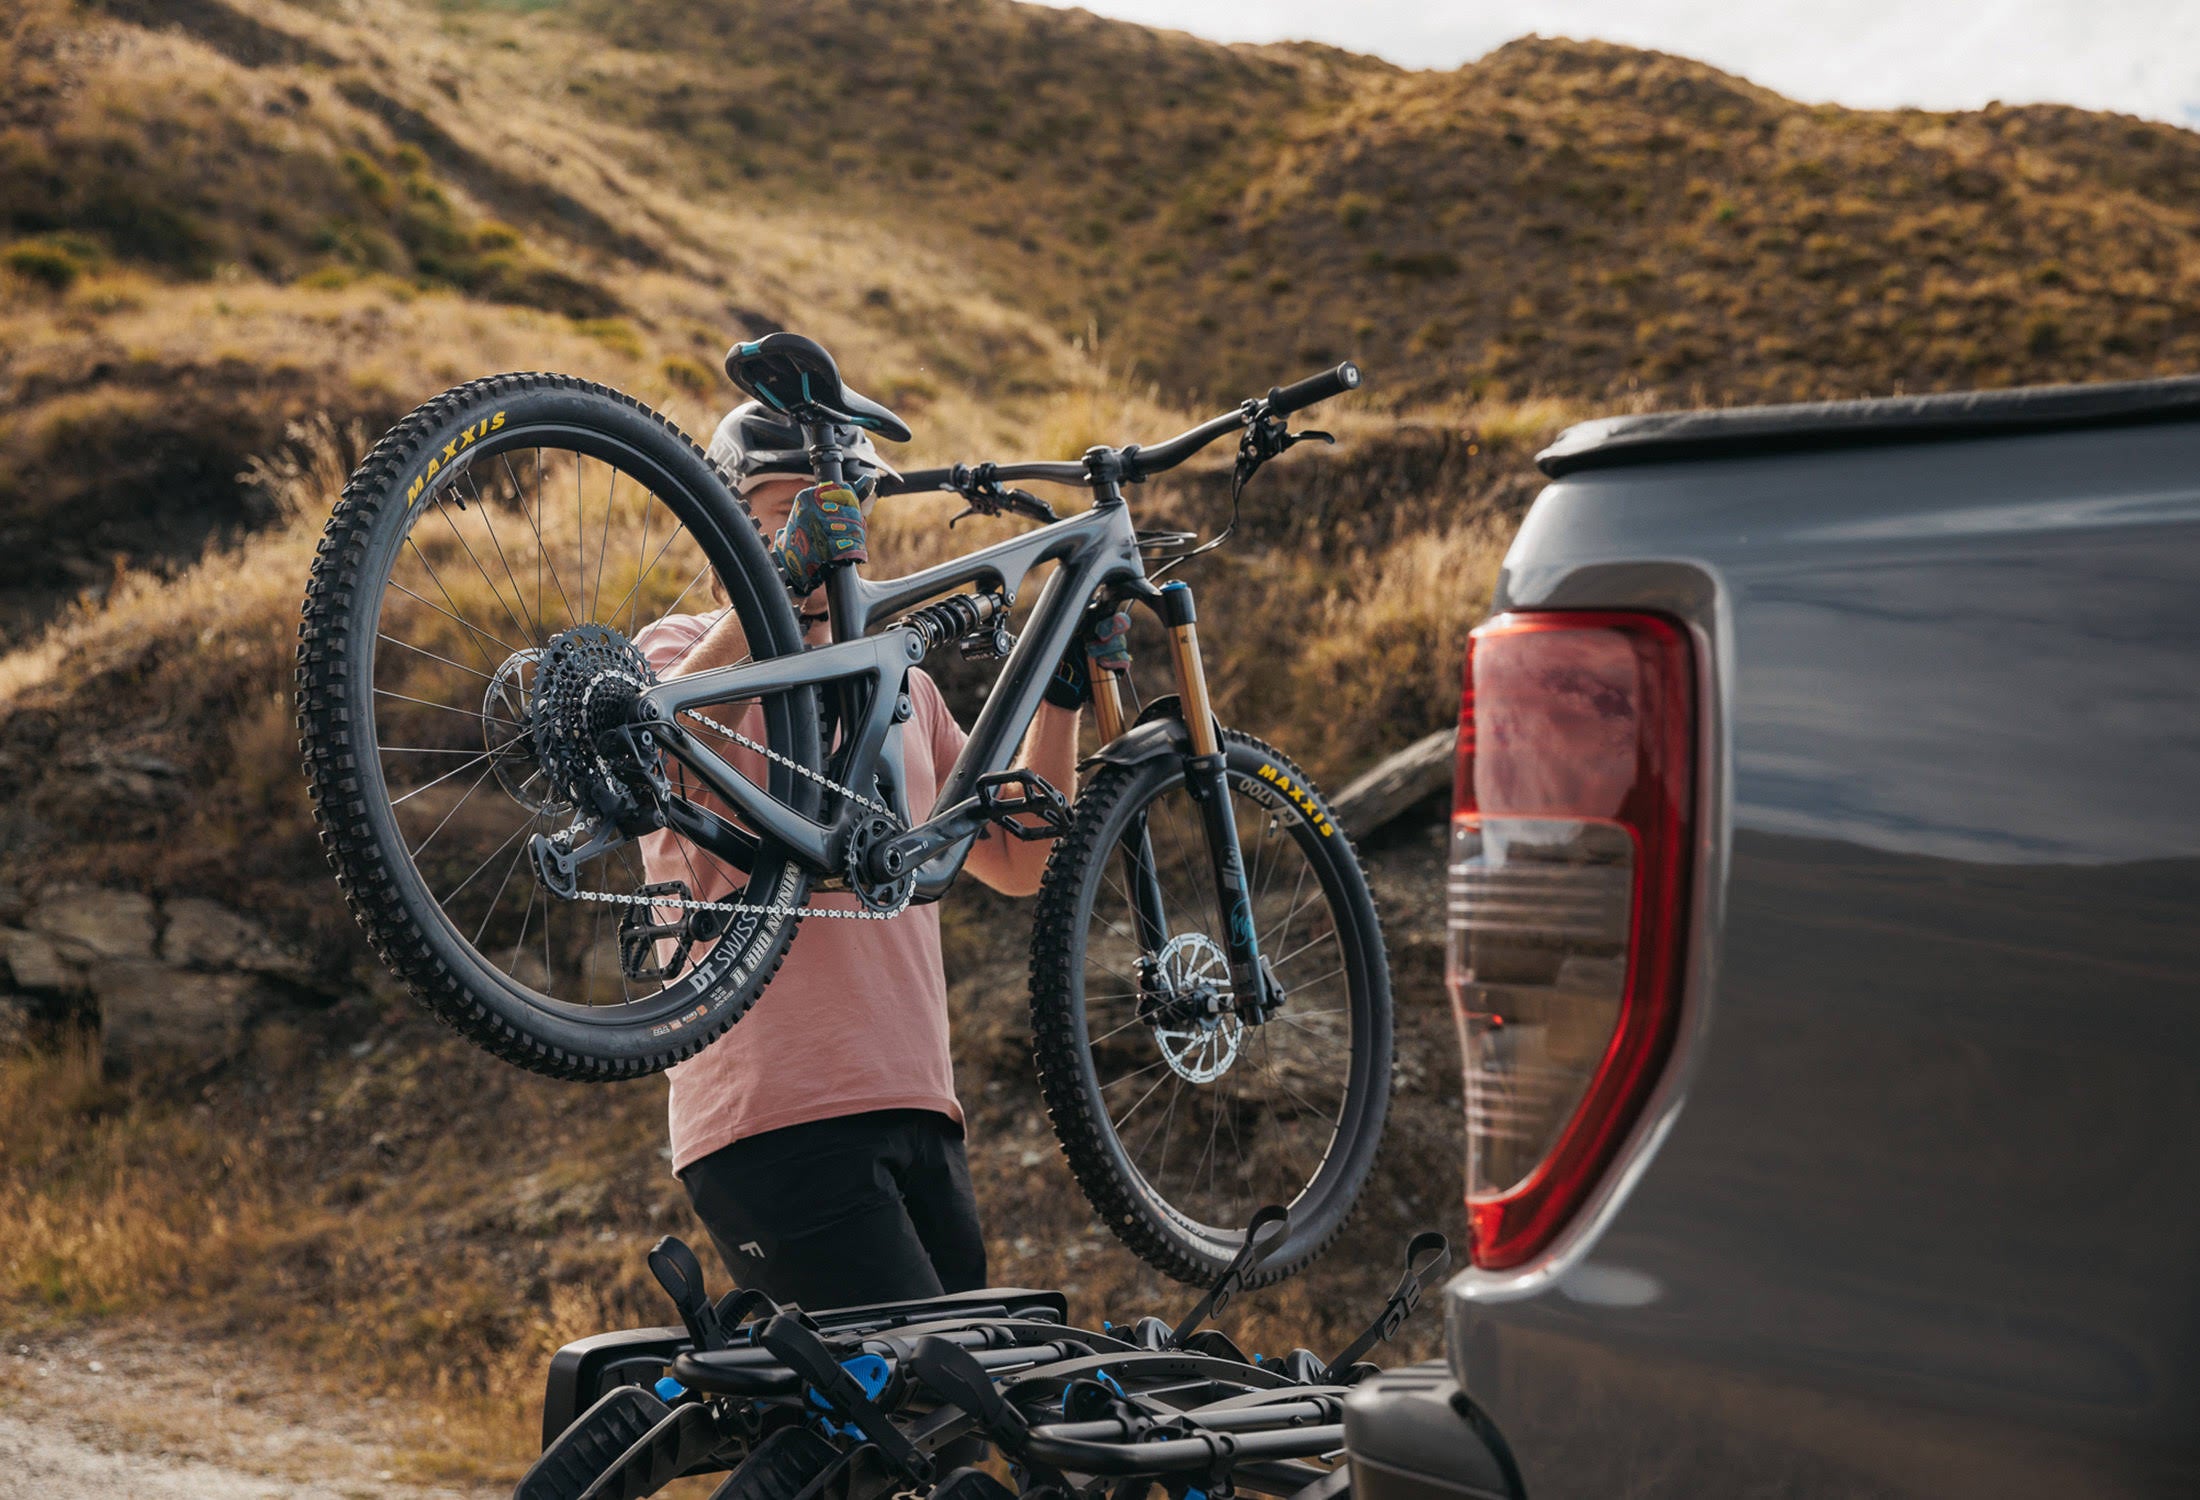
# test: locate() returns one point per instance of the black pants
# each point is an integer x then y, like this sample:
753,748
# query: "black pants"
865,1208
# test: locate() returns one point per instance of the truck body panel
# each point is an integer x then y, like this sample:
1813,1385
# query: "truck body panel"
1916,1210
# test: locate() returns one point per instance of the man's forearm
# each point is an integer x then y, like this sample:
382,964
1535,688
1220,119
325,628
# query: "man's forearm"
723,645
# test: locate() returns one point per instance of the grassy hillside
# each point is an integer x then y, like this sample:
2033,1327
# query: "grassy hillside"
238,237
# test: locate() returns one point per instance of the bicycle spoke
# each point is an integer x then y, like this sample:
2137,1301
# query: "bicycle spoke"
534,631
505,880
603,544
635,593
446,708
466,625
542,548
1301,948
1134,1073
444,589
432,656
445,511
414,853
525,918
446,776
674,607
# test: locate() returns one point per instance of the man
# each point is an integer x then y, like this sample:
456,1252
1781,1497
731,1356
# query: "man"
820,1139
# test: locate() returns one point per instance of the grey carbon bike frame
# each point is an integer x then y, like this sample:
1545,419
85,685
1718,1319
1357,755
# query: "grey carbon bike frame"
1093,549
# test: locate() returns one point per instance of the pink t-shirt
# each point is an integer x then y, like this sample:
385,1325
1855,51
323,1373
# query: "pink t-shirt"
856,1018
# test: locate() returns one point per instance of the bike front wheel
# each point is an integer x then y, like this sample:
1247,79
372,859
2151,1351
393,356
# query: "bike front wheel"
487,604
1181,1116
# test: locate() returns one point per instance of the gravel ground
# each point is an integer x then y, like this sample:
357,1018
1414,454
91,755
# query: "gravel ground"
103,1415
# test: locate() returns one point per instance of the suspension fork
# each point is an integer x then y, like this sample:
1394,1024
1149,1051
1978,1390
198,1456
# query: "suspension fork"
1206,779
1140,876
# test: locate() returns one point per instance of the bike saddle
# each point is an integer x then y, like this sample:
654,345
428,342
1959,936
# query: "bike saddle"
795,375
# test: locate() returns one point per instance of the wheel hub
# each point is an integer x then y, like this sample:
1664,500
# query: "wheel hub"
1194,1022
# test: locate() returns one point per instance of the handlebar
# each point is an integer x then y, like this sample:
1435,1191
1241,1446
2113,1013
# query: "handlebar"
1135,463
1284,400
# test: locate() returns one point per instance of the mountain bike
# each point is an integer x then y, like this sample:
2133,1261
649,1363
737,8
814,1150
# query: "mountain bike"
497,772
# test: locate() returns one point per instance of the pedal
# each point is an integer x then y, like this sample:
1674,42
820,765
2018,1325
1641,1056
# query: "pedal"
1039,800
639,936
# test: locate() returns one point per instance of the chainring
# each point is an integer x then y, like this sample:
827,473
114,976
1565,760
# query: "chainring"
884,896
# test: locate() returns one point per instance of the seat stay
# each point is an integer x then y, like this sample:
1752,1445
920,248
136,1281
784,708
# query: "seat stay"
884,660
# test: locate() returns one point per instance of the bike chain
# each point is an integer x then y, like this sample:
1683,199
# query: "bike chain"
773,908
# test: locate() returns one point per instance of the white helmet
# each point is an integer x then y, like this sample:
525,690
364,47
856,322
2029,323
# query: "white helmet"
754,443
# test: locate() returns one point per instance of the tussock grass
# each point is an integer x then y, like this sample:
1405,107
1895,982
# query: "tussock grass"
227,260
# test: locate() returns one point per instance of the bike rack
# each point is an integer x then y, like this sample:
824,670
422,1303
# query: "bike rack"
866,1402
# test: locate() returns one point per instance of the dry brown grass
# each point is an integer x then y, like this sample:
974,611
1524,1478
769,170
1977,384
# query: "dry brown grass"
271,241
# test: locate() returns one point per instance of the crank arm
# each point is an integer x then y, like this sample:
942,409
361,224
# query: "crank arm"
927,840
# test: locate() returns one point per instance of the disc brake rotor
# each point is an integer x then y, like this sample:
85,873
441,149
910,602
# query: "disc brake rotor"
509,741
1198,1030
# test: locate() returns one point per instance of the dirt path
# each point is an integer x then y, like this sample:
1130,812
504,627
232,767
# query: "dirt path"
103,1415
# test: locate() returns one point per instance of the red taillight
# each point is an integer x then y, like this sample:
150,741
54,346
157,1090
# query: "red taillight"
1568,890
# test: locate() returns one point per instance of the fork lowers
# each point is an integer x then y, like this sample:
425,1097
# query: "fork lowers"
1259,993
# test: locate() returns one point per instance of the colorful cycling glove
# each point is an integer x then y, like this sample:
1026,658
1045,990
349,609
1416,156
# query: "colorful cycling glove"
825,526
1106,647
1109,645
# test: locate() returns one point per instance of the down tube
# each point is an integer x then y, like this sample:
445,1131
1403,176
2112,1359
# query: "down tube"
1014,702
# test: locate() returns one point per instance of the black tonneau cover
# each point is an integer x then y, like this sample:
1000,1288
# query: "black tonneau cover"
1612,442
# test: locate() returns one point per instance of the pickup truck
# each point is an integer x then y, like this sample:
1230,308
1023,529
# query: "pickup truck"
1824,929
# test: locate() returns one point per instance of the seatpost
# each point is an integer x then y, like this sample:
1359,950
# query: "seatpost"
843,603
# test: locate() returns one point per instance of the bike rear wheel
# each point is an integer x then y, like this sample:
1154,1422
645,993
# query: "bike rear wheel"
1179,1126
497,571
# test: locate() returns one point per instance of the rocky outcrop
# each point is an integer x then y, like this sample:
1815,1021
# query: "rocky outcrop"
1396,786
168,983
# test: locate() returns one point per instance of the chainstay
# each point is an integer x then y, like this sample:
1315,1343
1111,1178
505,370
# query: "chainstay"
767,909
793,765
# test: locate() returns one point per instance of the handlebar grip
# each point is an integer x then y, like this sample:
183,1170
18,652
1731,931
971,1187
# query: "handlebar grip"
915,481
1286,399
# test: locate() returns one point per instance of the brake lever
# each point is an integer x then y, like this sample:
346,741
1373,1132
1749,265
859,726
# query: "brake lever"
984,496
1023,502
1269,437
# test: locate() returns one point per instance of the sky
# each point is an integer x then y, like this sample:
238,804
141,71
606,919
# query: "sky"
2141,57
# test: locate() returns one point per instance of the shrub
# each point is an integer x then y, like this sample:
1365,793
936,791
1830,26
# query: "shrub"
689,375
47,262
